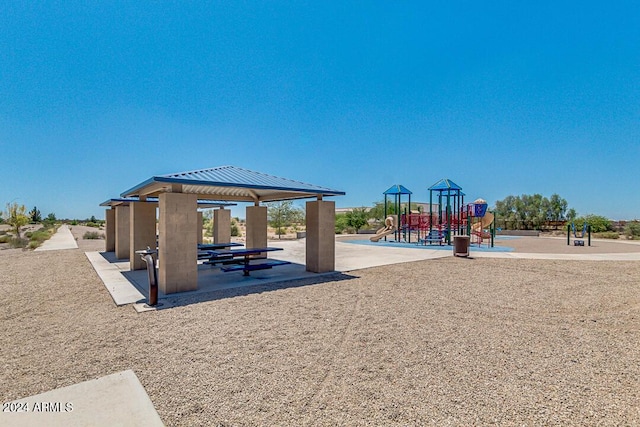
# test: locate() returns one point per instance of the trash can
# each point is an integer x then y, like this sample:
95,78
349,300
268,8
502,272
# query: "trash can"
461,246
147,257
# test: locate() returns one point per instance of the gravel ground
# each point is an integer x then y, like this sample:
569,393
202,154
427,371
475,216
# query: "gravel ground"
443,342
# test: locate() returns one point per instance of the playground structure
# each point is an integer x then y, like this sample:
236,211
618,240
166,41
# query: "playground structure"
389,227
446,218
479,221
578,238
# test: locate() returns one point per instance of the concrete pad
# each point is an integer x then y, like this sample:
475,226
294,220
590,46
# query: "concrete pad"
115,400
62,239
110,272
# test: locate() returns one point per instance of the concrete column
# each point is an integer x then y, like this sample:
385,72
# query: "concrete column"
199,228
256,227
122,232
177,246
221,226
321,236
142,232
110,232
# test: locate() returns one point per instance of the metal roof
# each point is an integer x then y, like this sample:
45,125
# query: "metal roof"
444,185
126,200
397,189
230,183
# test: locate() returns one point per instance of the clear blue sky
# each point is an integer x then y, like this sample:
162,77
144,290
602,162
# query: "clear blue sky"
502,97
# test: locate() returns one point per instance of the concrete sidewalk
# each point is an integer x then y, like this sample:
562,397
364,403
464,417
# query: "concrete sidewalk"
115,400
62,239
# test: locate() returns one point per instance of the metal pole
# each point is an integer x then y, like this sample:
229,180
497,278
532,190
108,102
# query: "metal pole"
568,235
589,231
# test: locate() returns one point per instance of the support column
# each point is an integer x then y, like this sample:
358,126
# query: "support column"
222,226
110,231
122,232
321,236
256,228
142,232
199,227
178,251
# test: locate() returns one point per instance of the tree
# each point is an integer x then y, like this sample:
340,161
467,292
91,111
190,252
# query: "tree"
357,218
282,214
532,211
35,215
16,216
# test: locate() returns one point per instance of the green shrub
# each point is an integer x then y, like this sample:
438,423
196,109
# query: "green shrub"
341,223
5,238
632,230
92,224
92,235
34,244
235,230
598,223
608,235
40,235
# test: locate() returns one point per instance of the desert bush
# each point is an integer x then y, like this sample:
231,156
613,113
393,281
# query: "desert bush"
18,242
5,238
608,235
632,230
92,224
235,230
92,235
598,223
33,244
341,224
40,235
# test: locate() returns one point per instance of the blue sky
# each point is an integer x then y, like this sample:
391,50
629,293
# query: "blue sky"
504,98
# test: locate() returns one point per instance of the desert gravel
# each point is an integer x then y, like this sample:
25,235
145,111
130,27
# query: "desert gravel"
442,342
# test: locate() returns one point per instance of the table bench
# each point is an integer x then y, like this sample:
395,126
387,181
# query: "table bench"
205,252
227,256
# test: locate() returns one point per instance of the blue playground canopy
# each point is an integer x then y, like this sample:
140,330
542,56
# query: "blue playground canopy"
444,185
397,189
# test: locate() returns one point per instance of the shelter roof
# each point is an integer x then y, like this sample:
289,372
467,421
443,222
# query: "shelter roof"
397,189
230,183
444,185
126,200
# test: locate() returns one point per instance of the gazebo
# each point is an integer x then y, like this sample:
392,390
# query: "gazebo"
119,237
178,193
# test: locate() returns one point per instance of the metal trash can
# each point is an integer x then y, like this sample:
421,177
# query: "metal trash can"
147,257
461,246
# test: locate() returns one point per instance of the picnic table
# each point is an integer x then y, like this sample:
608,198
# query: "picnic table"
245,262
205,249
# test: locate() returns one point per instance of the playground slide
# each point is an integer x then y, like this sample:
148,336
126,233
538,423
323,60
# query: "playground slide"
485,221
381,233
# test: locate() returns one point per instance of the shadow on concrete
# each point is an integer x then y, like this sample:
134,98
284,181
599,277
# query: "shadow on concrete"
132,286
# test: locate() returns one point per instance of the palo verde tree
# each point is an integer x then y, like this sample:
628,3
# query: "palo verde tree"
283,214
16,217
